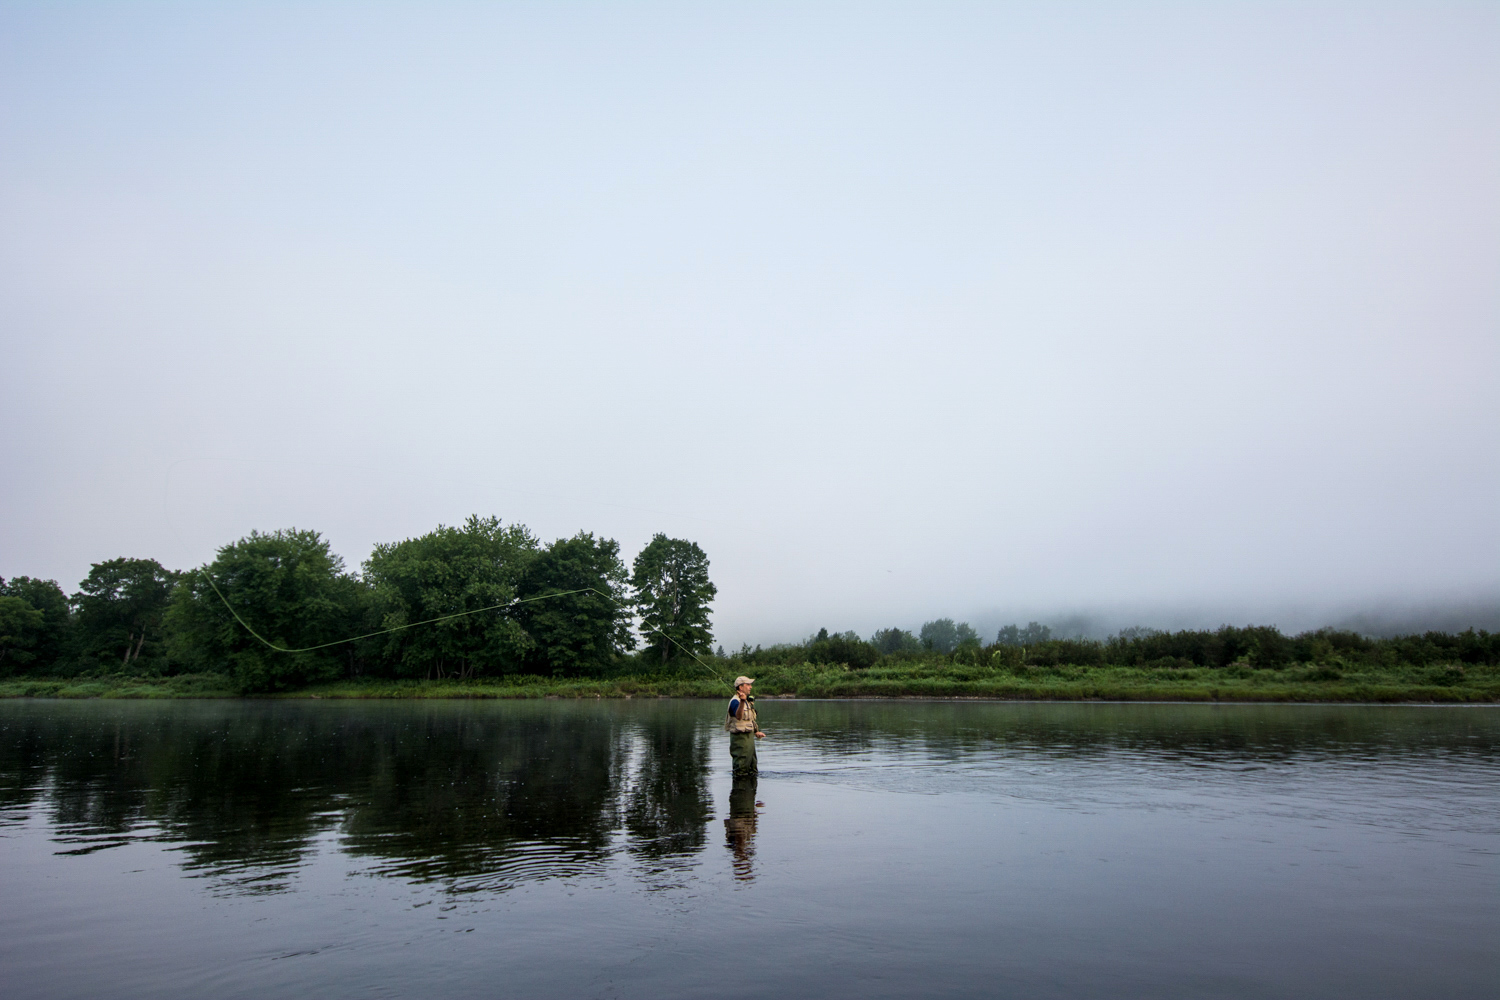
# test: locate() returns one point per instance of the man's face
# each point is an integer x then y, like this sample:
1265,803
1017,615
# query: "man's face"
744,690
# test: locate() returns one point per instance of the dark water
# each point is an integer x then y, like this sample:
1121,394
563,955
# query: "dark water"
562,849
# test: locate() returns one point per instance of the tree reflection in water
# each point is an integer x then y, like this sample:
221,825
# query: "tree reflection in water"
667,809
485,795
480,796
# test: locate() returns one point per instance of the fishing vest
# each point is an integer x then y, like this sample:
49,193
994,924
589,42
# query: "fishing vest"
742,721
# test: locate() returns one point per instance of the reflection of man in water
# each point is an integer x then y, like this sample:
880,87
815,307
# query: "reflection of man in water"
742,727
739,827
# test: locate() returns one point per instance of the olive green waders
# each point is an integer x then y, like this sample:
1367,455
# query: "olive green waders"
742,752
741,724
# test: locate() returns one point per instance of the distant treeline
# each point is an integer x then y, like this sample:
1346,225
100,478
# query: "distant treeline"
1032,645
135,616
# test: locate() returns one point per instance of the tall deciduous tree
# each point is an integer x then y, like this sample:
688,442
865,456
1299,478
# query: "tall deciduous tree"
289,588
21,627
46,644
452,571
577,633
119,611
945,636
1033,633
672,596
841,647
890,641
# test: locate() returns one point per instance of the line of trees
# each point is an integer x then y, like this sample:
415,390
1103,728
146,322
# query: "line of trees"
1252,647
942,637
136,616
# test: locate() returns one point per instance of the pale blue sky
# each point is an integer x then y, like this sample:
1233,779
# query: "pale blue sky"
1163,312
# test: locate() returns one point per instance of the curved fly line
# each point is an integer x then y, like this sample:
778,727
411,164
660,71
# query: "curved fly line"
443,618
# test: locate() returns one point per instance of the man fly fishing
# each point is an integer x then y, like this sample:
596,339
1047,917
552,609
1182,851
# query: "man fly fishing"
742,728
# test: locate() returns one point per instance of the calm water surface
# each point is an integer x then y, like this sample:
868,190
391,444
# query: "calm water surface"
562,849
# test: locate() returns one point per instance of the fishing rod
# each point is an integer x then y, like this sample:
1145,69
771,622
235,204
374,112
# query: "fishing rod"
461,614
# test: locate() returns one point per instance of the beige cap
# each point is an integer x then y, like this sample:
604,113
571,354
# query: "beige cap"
742,679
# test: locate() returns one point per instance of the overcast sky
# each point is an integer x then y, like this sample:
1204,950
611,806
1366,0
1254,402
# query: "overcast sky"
1162,313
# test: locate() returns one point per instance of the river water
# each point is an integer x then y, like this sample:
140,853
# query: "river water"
889,849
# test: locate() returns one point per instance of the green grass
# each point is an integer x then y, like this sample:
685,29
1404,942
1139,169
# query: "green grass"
180,686
1323,683
1135,684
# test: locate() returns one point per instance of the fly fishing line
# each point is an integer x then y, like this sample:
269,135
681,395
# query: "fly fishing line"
442,618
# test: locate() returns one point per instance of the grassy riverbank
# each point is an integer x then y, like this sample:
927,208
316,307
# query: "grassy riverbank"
1449,683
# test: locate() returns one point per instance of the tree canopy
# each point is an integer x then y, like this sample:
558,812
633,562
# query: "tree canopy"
579,633
944,636
289,588
889,641
120,610
841,647
450,571
41,641
672,595
1031,635
21,627
482,598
